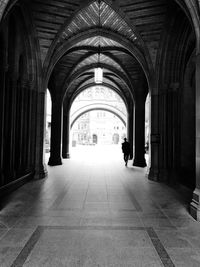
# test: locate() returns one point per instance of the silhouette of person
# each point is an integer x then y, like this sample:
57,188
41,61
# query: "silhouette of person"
126,150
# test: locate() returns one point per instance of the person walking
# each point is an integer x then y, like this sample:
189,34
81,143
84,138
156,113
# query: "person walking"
126,150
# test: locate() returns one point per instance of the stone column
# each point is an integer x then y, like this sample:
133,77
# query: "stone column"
153,172
7,146
3,70
40,167
130,129
21,135
30,111
56,132
175,126
195,204
19,158
65,136
169,124
163,127
13,123
139,148
2,107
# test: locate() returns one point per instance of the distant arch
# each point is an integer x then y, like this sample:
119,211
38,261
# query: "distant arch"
103,107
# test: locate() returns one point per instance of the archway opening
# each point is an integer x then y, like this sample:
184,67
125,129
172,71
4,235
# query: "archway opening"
98,118
47,139
98,127
147,126
95,132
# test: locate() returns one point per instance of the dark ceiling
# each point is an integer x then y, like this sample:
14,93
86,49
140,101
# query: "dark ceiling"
126,34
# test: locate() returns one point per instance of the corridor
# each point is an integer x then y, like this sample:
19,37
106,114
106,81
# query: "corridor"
93,211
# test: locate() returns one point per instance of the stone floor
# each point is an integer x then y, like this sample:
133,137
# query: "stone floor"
94,211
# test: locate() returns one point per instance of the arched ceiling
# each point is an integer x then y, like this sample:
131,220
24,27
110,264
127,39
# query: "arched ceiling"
79,60
126,34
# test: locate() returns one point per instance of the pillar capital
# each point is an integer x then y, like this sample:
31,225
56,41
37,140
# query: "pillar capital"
174,86
155,138
154,94
31,84
24,83
140,96
57,98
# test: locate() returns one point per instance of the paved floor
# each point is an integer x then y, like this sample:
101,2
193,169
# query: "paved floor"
93,211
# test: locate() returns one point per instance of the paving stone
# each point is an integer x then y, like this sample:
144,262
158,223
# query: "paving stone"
100,214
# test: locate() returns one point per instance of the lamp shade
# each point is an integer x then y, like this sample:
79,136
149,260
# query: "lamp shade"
98,75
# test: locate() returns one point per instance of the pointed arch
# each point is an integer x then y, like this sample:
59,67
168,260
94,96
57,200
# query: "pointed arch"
133,50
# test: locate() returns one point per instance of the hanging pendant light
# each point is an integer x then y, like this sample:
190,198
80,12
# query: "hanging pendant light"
98,72
98,75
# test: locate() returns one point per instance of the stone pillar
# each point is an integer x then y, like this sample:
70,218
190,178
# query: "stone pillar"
130,129
153,172
56,132
66,136
139,148
2,107
3,70
163,127
13,123
40,167
7,146
19,158
21,134
175,126
195,204
30,111
169,125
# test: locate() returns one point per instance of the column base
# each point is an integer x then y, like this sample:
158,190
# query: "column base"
166,176
153,174
195,205
66,156
41,172
55,161
140,163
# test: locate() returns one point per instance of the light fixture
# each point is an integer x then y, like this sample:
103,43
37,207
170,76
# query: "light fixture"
98,72
98,75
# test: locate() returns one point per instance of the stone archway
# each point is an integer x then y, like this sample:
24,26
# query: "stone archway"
94,99
88,108
121,47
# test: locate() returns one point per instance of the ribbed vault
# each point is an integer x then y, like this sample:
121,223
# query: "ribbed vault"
141,45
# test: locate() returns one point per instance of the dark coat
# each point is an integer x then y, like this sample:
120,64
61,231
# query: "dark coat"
126,147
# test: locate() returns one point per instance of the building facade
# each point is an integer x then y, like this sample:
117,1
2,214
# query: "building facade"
103,119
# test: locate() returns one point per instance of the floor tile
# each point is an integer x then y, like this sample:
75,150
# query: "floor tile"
172,239
8,255
97,213
183,257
